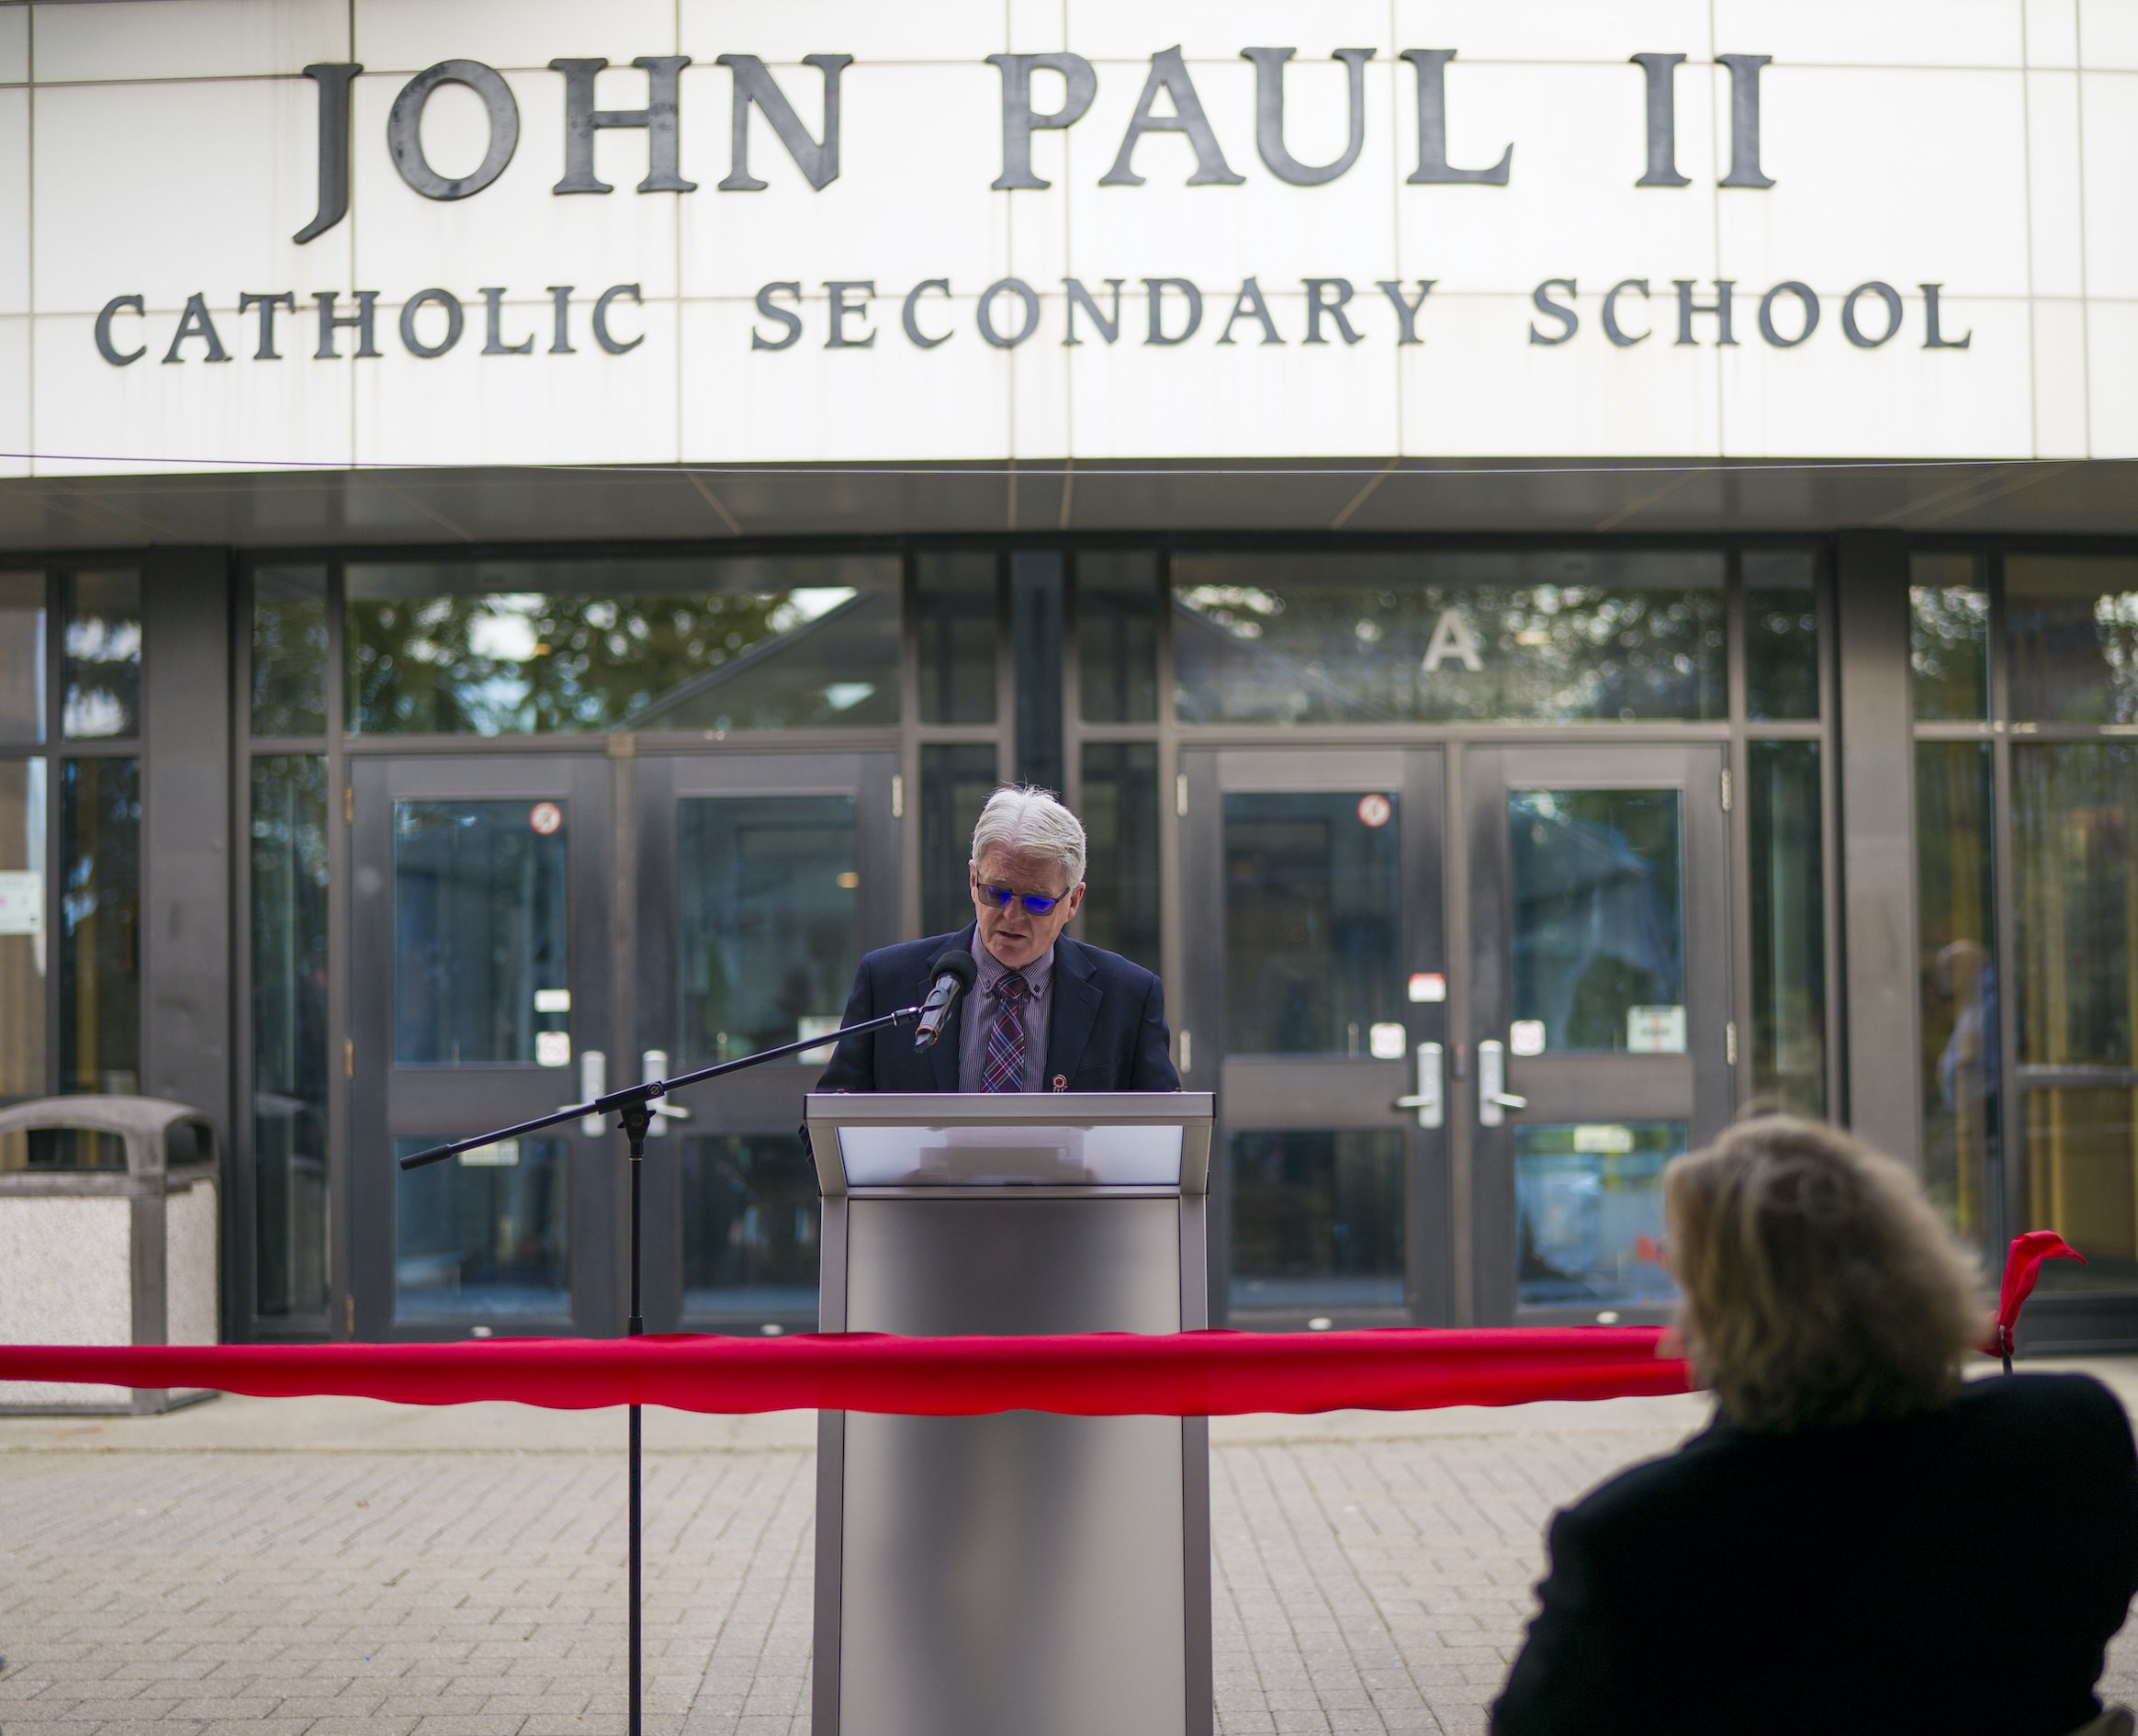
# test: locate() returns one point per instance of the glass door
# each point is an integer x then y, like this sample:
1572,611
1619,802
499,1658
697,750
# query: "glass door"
1317,998
761,879
480,921
1598,917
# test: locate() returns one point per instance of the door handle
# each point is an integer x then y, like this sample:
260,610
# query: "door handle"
593,1083
1493,1098
653,1065
1430,1098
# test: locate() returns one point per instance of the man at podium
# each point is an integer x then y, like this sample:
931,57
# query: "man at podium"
1044,1013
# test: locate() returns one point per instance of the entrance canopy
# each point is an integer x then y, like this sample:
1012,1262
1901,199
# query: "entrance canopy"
292,509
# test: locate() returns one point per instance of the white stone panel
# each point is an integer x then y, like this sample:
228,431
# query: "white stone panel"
1264,228
1204,400
148,417
868,29
1479,386
1570,206
1040,393
1126,32
1039,232
13,201
920,146
2107,34
2052,33
2060,380
406,36
166,190
15,393
14,44
585,408
189,1267
1925,183
202,39
2056,241
2110,144
1887,33
1556,29
2112,356
741,405
65,1278
516,233
1038,26
1831,399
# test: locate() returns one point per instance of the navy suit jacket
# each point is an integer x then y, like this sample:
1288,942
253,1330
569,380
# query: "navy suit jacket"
1105,1032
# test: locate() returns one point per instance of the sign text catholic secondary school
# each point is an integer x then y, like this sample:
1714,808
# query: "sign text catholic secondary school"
1039,93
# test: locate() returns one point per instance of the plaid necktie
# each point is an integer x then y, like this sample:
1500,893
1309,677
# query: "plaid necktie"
1005,1067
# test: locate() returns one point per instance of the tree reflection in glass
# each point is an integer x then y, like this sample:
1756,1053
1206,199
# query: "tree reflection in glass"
498,647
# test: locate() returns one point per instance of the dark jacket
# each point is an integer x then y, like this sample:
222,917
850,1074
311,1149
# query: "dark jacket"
1958,1570
1105,1032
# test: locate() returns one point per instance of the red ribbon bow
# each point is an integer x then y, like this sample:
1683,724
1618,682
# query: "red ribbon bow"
2022,1266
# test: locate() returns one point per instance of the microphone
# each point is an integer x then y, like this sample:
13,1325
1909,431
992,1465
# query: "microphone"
953,973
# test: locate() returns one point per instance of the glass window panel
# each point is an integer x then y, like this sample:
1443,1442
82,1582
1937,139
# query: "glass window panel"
957,623
956,779
2080,1148
289,651
22,928
1599,930
2071,626
1781,634
769,930
1789,1039
1313,922
101,691
1961,1061
1589,1214
493,648
100,911
486,1234
290,1034
1548,636
479,933
750,1228
22,657
2076,902
1117,637
1120,826
1948,637
1317,1220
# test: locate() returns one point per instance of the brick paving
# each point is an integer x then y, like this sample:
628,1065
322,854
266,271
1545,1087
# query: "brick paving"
430,1577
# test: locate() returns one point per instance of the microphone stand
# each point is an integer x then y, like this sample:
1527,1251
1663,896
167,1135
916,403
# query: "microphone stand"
633,1108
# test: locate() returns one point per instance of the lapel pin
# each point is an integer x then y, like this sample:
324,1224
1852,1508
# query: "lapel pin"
1061,1081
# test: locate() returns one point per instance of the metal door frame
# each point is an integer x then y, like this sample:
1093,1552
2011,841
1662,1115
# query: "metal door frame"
753,1101
502,1093
1418,772
1702,1079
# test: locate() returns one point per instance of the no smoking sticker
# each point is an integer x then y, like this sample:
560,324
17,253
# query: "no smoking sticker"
544,817
1374,810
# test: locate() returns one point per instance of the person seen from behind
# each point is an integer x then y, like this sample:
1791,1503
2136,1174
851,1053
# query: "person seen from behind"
1861,1541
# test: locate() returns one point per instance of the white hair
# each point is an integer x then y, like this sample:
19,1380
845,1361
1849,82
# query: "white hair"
1026,821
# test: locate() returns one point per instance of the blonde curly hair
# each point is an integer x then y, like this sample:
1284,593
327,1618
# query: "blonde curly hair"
1819,1287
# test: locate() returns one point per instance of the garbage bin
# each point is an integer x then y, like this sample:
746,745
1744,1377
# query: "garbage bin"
109,1234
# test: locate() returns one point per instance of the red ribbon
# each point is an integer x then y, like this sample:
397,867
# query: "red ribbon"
1092,1374
2022,1268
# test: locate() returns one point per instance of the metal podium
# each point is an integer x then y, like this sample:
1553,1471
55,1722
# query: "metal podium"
1022,1575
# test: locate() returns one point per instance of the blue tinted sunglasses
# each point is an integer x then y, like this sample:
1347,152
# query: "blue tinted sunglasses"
1001,896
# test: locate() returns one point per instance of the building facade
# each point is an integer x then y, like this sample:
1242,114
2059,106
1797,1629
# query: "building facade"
1579,564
